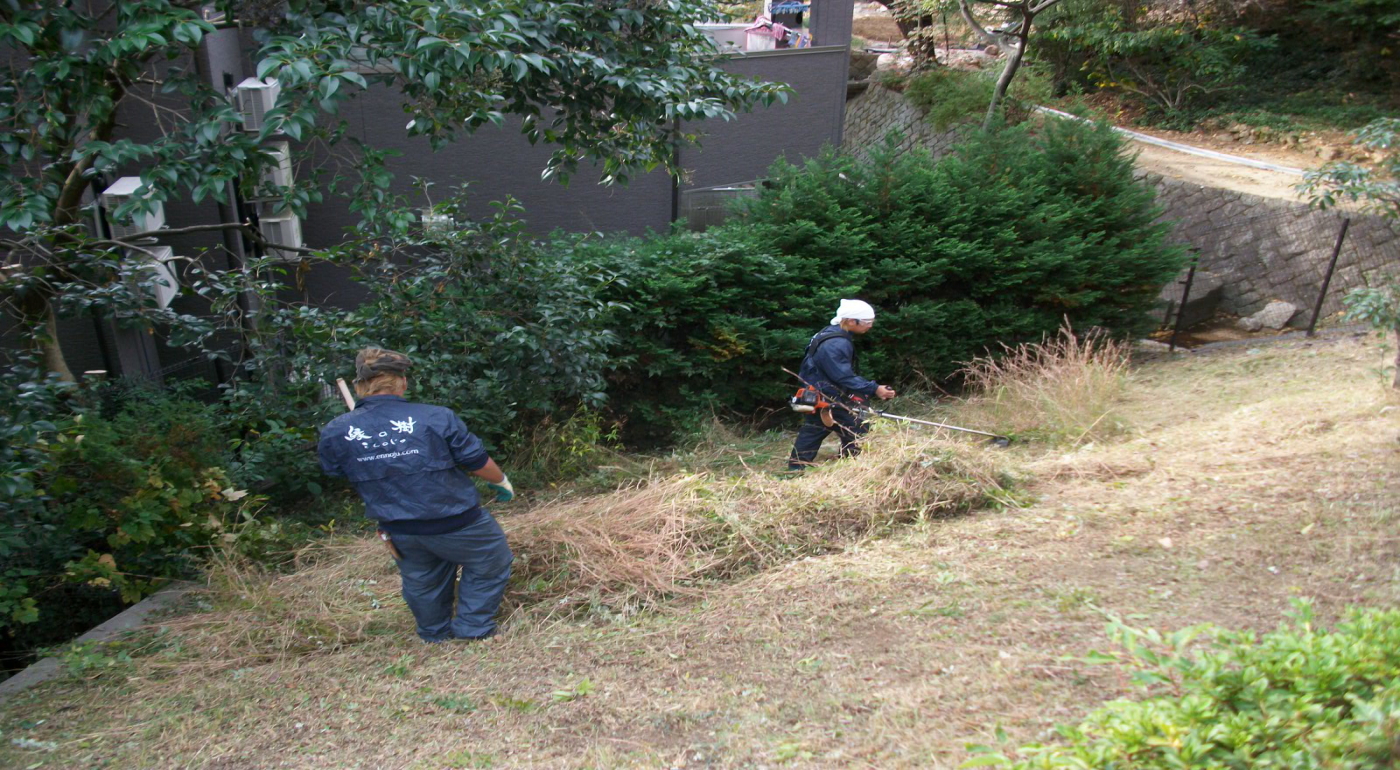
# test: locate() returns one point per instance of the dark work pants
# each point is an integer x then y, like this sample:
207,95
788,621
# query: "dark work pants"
813,432
429,569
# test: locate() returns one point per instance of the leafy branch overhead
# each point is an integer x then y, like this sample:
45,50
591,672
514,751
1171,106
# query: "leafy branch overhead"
111,88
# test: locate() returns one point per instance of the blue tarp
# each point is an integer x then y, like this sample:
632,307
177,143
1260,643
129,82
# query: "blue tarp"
789,7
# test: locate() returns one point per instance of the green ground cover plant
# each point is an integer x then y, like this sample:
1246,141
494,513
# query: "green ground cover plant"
1301,696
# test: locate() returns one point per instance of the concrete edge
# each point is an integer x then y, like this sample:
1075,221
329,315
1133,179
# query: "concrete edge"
131,618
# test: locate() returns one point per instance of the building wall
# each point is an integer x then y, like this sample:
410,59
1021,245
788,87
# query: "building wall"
744,148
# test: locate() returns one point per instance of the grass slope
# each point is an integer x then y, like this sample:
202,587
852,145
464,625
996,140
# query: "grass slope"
1243,478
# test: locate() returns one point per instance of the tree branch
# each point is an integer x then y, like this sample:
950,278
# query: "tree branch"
248,229
971,22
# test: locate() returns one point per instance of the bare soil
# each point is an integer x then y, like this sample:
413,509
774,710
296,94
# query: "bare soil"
1218,173
1248,478
877,30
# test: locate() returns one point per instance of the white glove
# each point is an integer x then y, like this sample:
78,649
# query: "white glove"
504,491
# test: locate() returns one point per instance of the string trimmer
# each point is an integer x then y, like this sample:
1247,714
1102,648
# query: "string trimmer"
810,400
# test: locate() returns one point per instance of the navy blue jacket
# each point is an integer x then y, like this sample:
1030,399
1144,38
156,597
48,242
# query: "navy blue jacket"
408,461
829,364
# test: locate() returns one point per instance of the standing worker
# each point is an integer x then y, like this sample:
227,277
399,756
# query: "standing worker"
829,366
409,462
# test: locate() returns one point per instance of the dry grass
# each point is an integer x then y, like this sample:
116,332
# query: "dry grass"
673,534
1247,479
631,548
1064,389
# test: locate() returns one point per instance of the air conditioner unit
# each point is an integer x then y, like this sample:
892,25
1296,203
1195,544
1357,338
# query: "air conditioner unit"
155,268
436,223
120,192
283,230
255,99
279,174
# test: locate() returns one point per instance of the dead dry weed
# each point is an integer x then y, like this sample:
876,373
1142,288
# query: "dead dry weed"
1063,389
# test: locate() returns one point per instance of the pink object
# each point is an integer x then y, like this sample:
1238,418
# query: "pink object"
765,27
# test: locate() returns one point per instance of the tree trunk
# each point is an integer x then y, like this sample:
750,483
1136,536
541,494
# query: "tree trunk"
906,18
1013,63
38,306
916,25
43,325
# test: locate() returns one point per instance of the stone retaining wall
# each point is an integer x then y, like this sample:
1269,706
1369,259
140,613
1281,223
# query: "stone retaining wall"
878,111
1264,249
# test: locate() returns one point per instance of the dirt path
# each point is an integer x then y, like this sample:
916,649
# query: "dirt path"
1250,478
1217,173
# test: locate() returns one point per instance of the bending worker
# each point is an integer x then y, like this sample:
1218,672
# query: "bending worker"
409,462
829,366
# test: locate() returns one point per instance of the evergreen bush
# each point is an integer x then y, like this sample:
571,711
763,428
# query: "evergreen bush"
1016,232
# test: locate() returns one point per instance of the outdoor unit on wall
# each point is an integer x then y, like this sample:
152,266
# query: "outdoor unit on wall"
155,268
283,230
279,174
255,99
120,192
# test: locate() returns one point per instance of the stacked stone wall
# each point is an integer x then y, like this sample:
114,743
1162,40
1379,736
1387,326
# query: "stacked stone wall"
1262,249
875,113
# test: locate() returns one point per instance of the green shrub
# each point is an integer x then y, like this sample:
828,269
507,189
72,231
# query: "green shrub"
1298,697
1002,241
31,410
500,328
140,494
703,322
271,439
106,492
1175,66
949,97
1362,32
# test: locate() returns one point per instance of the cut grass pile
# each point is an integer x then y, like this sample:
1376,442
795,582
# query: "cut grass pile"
634,547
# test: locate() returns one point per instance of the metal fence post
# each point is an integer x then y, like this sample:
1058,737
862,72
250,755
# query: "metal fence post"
1327,279
1185,297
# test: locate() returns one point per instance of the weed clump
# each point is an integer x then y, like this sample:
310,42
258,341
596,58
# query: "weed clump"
1060,390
